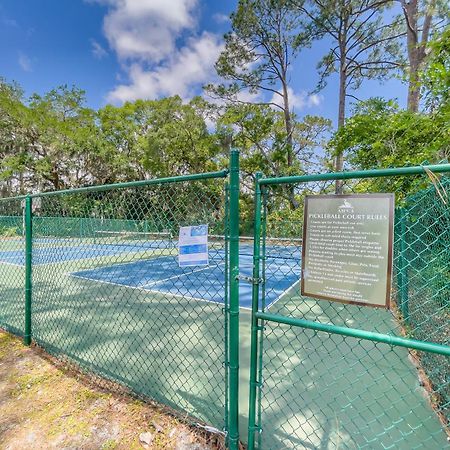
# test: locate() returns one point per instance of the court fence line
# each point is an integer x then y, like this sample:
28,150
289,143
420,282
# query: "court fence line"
162,344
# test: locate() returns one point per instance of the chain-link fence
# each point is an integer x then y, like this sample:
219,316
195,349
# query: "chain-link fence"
12,273
100,285
109,294
335,375
423,255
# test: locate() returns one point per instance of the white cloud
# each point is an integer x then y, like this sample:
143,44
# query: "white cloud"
315,100
97,50
146,29
298,101
25,62
188,68
158,47
221,18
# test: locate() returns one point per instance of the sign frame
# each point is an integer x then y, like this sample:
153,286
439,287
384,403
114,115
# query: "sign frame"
391,197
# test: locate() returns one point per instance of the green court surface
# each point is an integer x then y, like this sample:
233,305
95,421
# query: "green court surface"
324,391
320,391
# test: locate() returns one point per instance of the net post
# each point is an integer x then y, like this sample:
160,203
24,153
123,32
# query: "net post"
28,268
233,428
254,320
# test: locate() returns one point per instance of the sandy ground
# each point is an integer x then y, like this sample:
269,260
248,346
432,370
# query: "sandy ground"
44,405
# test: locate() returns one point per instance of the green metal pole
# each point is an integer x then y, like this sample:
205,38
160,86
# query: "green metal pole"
233,428
254,328
373,173
28,267
226,305
396,341
402,269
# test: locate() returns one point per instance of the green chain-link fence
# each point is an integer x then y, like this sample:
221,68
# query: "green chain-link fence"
332,375
106,292
423,253
12,272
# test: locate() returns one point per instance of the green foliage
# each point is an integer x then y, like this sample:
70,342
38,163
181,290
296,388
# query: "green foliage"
260,133
54,141
259,48
436,77
285,223
379,135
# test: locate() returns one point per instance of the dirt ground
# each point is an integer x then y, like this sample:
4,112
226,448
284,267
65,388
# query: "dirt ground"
45,405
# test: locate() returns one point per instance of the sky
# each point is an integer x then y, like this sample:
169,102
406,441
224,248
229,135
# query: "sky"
119,50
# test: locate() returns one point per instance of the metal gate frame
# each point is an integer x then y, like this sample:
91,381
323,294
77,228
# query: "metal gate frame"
259,316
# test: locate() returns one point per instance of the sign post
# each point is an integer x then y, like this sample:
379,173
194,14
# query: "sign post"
347,248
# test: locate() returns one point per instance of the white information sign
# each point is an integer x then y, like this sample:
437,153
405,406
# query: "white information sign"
193,246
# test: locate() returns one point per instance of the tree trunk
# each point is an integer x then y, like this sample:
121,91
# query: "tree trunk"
339,160
410,11
416,47
289,142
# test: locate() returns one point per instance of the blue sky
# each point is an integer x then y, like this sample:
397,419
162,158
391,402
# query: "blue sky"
118,50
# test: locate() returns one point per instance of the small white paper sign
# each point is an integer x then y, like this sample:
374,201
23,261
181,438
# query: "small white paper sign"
193,246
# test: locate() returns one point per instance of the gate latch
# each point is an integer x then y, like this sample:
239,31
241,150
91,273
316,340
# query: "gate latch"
250,280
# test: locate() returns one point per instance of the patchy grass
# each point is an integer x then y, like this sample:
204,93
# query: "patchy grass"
44,405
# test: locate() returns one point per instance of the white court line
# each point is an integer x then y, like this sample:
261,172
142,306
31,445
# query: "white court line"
152,291
152,283
282,294
11,264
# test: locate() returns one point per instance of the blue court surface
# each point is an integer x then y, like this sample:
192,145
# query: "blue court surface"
163,275
62,253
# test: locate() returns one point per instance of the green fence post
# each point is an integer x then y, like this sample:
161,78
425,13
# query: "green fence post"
226,308
254,328
28,267
233,428
402,276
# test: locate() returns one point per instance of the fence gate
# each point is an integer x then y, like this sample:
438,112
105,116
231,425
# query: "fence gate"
326,374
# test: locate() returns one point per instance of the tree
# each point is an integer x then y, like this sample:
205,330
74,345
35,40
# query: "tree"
13,138
436,76
259,133
381,135
422,17
364,45
62,147
177,140
255,62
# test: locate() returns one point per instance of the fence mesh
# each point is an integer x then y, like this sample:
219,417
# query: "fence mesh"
321,390
109,294
12,273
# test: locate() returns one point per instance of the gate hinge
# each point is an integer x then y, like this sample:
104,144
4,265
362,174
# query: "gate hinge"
250,280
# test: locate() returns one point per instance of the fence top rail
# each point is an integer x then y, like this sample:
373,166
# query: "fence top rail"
374,173
130,184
